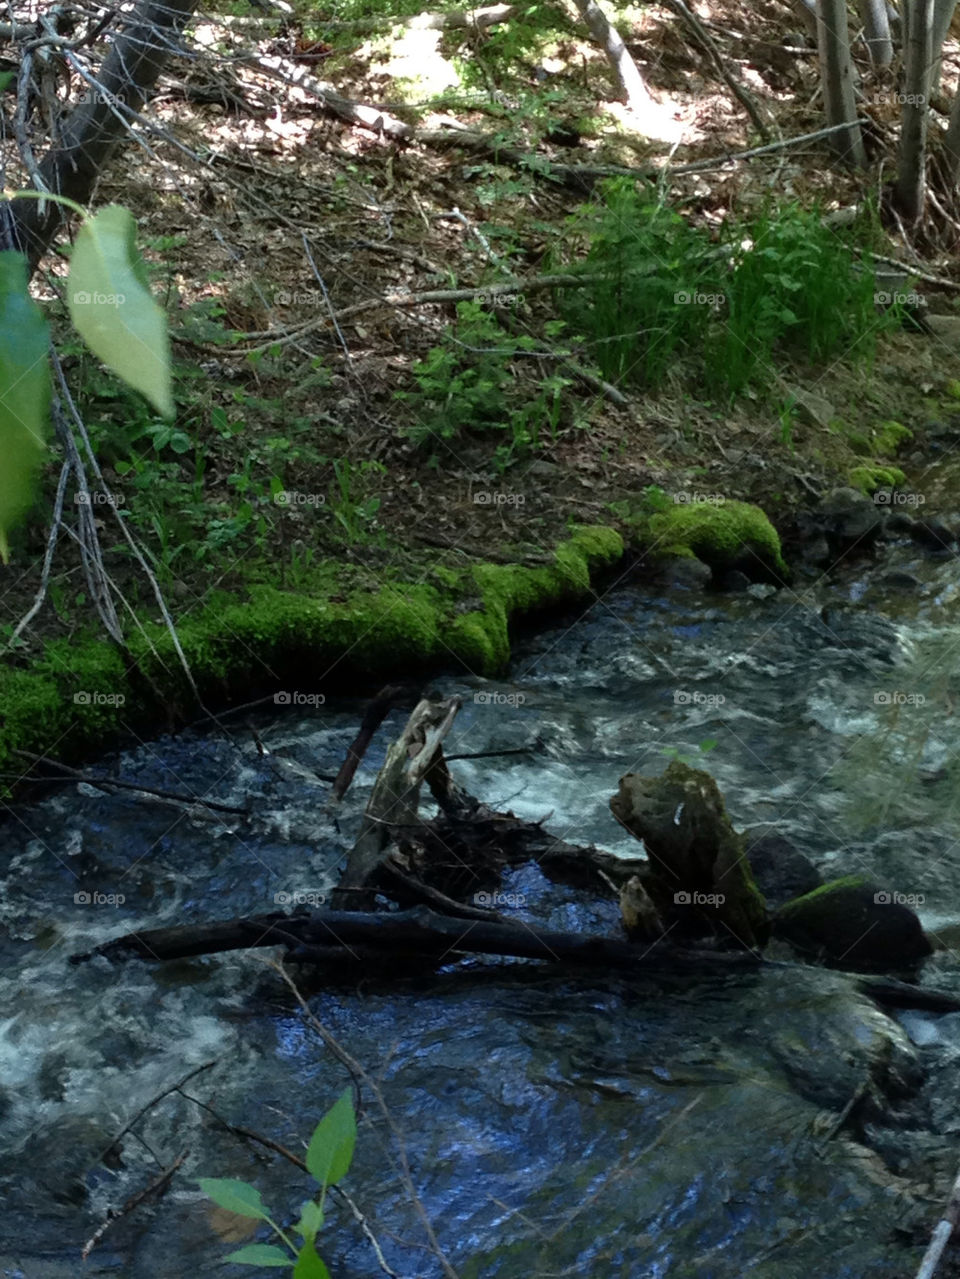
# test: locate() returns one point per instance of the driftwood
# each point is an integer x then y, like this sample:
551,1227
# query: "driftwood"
942,1235
396,793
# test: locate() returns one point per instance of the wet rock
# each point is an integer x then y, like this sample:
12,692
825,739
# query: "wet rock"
731,580
848,519
899,581
780,870
816,550
900,522
934,535
684,572
699,878
862,632
853,922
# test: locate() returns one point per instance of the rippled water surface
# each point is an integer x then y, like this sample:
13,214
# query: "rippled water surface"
553,1124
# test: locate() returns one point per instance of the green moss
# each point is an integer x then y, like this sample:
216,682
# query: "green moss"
953,389
344,623
889,437
869,478
824,892
716,533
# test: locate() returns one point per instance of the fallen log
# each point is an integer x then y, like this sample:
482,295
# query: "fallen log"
422,933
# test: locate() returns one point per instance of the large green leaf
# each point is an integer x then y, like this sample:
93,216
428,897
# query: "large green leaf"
24,393
260,1254
113,310
331,1146
309,1264
235,1196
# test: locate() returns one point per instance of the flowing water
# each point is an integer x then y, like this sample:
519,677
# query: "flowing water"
554,1124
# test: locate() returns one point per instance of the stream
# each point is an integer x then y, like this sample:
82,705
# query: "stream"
554,1124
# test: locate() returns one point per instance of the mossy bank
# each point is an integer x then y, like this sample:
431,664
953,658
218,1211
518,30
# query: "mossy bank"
346,626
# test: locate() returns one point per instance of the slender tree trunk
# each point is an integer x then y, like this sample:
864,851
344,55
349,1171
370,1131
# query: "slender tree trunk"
630,85
806,10
876,31
951,144
836,75
912,153
95,128
943,11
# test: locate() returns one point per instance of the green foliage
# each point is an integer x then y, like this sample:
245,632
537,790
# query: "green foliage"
24,393
794,284
112,308
329,1156
708,744
466,387
778,283
353,512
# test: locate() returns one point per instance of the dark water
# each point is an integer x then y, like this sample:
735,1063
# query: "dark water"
553,1126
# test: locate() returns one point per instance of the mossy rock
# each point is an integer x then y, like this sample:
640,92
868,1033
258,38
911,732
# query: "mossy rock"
724,535
699,877
854,923
868,478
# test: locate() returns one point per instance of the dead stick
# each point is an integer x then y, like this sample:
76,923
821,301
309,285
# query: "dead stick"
942,1233
106,783
373,717
197,1070
157,1186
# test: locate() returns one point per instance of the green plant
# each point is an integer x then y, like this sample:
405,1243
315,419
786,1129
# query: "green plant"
352,511
328,1160
467,386
703,747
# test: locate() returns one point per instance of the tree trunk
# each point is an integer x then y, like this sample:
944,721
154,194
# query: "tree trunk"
630,85
911,156
951,145
876,31
943,11
94,129
836,75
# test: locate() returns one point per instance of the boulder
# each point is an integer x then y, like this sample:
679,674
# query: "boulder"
853,923
780,870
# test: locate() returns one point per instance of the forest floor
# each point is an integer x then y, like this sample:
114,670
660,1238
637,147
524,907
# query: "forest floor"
326,415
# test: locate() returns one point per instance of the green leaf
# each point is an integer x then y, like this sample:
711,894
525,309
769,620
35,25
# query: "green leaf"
24,394
309,1265
331,1147
260,1254
113,310
235,1196
708,744
311,1220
